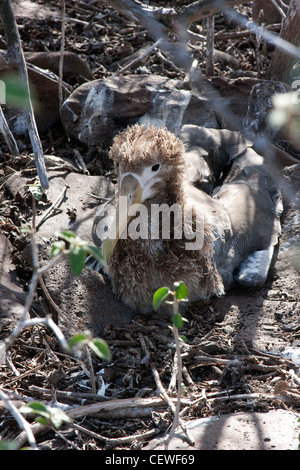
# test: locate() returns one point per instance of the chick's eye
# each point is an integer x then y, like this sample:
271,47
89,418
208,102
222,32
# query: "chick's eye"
155,167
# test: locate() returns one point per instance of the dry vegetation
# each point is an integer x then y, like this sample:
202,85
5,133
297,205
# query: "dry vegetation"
217,361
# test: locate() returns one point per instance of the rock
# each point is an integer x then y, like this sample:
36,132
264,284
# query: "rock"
274,430
97,110
75,69
26,9
88,114
223,58
289,251
250,100
44,88
177,108
76,209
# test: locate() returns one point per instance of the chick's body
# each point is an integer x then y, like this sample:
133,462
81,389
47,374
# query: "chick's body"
208,237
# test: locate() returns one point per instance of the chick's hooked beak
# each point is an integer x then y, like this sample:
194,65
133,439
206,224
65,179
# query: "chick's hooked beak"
130,193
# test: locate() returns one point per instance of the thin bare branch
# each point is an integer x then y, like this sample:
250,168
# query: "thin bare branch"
62,51
138,59
278,8
267,35
8,136
210,46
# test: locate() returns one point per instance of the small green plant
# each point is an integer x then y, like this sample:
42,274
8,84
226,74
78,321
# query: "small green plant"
99,346
76,248
46,415
179,294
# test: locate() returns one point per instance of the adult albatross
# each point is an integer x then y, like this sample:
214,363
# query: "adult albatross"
164,228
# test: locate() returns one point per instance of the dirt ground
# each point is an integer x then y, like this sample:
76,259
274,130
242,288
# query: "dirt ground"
242,351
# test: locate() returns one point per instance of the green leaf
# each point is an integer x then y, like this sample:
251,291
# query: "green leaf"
57,247
101,348
177,320
43,420
160,295
25,228
35,407
181,291
46,414
67,235
95,252
37,191
77,258
79,339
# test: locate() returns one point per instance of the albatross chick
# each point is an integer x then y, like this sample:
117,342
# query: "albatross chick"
163,228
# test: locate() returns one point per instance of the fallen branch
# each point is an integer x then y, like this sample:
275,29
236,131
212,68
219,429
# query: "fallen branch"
244,33
138,59
200,9
133,407
50,76
80,162
113,442
45,394
47,321
113,409
280,43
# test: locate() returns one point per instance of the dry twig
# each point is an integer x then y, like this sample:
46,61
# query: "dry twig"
53,206
62,51
210,46
163,393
